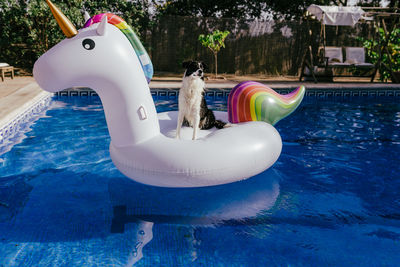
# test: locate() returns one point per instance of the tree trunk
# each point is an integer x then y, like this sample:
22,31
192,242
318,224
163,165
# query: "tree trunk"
216,64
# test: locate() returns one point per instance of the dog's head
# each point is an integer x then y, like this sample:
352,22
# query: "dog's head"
194,69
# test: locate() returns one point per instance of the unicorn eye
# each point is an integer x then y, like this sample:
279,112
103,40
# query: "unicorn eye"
88,44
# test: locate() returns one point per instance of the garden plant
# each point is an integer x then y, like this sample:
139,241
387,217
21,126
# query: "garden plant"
214,41
390,59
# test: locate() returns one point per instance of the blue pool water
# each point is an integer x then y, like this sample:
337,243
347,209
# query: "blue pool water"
332,199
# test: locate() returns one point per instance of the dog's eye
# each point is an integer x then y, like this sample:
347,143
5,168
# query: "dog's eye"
88,44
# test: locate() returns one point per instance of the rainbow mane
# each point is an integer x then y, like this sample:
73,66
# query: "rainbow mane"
127,30
253,101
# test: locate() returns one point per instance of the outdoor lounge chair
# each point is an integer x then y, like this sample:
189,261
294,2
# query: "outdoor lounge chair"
333,63
333,57
5,68
356,57
354,61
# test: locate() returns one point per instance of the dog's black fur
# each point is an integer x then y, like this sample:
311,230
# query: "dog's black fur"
207,117
193,66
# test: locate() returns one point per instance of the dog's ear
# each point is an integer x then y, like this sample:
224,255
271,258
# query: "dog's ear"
186,64
205,67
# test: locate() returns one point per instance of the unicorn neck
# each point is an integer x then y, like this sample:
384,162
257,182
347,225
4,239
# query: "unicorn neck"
129,108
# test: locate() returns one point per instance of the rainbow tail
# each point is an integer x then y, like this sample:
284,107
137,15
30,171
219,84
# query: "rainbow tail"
253,101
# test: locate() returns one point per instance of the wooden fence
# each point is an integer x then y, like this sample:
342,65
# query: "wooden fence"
256,47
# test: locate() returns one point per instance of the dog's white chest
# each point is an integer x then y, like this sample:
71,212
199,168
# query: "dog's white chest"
190,97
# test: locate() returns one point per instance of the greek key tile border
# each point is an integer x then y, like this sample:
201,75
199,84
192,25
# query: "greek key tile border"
224,93
81,92
11,128
352,93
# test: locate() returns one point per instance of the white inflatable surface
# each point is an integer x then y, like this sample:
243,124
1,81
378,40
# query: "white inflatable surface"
216,157
143,144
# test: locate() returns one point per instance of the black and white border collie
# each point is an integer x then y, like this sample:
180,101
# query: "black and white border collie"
193,109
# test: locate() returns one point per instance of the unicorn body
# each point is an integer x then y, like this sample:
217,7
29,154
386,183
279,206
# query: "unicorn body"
101,57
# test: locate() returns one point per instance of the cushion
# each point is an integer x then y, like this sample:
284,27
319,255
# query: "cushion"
334,54
355,55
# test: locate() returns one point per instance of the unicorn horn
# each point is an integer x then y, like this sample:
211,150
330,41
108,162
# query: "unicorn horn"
66,26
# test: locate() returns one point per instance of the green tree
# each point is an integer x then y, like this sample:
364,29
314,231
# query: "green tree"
373,47
214,41
136,13
205,8
247,9
27,28
295,8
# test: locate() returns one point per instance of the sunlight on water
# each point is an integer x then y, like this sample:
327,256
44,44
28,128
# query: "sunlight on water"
330,200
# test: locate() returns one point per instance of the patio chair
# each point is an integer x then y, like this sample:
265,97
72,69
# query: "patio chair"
332,63
354,64
6,68
333,57
356,57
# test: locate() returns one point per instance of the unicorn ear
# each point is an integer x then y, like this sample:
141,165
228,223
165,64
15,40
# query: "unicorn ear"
101,29
86,16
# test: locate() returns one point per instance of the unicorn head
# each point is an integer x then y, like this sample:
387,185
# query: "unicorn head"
89,36
106,56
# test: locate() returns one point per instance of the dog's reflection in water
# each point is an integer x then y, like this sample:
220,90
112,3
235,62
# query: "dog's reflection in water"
144,235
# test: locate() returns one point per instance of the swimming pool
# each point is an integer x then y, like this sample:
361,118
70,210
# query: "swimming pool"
331,199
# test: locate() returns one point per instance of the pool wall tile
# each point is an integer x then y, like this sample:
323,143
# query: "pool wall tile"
219,94
11,128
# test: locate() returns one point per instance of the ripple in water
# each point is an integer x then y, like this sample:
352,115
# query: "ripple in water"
331,198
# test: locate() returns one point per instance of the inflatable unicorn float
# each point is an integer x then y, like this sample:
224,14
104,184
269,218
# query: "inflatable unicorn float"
107,56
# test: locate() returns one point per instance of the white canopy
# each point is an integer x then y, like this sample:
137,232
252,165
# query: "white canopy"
337,15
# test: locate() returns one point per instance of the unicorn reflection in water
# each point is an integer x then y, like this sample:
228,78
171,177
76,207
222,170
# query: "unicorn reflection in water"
108,57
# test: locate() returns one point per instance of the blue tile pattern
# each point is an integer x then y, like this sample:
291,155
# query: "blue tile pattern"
220,94
83,92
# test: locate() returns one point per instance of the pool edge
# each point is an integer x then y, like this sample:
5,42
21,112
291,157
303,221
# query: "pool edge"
33,101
